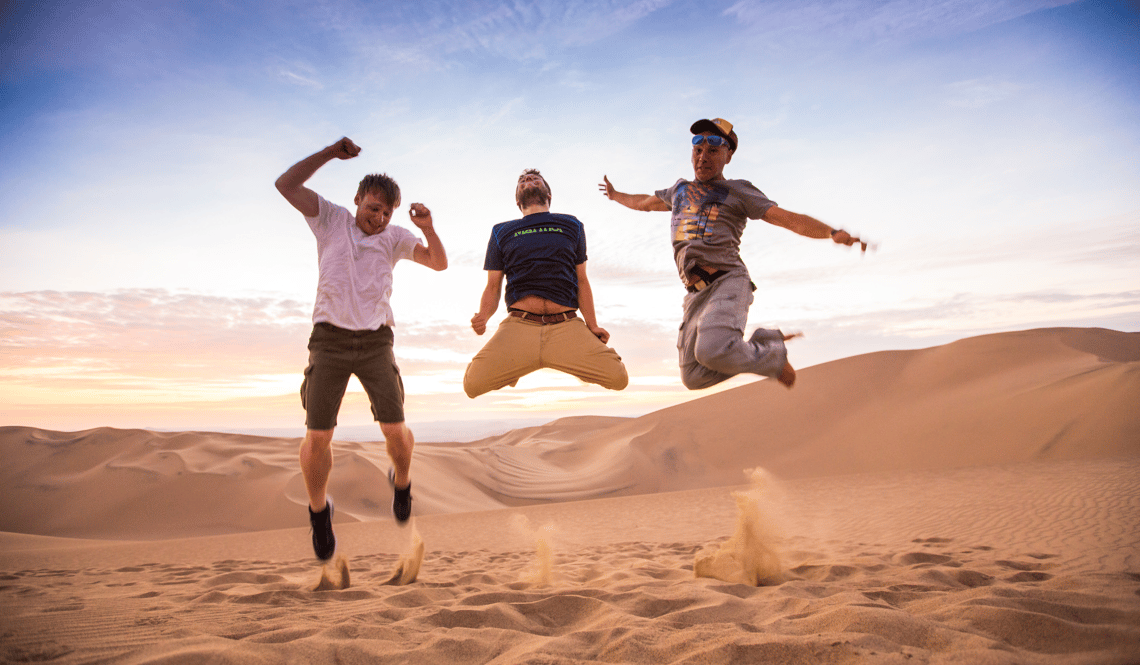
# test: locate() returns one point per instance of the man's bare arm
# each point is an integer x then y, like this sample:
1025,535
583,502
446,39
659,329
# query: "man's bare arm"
433,256
489,302
809,227
291,184
643,202
586,305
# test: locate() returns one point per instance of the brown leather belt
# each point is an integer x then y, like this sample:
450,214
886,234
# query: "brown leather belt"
544,319
698,278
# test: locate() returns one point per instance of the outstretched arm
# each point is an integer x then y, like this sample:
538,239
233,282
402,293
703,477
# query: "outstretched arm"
644,202
433,256
586,305
489,302
809,227
291,184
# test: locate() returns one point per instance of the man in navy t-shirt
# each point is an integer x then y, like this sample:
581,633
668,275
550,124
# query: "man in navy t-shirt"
543,257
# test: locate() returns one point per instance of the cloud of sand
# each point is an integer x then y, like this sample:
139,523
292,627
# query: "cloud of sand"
329,581
408,567
543,571
752,555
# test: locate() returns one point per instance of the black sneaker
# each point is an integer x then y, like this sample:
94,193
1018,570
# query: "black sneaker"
324,542
401,498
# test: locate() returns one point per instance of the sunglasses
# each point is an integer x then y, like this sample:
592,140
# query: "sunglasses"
714,141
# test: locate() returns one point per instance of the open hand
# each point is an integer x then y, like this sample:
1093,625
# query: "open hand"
606,188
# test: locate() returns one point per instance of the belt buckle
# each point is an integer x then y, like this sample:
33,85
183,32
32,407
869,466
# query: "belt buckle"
694,283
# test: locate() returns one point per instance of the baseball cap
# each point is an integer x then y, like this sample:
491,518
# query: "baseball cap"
718,126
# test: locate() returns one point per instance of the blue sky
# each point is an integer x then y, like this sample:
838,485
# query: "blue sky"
153,277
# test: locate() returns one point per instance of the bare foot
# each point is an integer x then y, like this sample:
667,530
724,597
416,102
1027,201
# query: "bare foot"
787,376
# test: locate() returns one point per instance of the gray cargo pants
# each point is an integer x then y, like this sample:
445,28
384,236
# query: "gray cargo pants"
711,345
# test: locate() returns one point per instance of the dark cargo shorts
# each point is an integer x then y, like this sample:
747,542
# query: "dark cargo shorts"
335,354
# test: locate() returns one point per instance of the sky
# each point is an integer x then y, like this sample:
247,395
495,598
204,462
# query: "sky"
153,277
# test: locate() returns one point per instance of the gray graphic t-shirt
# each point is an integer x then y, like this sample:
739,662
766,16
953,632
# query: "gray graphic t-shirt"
709,219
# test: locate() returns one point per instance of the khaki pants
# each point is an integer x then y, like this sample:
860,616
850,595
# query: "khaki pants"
520,347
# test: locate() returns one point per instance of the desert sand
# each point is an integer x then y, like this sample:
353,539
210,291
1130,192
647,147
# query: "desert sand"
977,502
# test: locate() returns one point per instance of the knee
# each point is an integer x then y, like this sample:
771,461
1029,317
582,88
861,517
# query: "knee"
620,381
471,388
318,439
698,377
694,381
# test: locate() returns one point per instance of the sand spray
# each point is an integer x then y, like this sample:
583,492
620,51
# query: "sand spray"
543,572
408,567
334,580
752,554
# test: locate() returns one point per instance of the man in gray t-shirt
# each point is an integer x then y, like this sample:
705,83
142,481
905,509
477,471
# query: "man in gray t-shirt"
709,214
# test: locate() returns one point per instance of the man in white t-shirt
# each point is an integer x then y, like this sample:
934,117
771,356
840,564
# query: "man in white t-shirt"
352,323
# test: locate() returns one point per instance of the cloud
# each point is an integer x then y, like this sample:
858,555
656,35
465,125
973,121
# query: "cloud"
881,21
979,93
430,33
147,344
297,79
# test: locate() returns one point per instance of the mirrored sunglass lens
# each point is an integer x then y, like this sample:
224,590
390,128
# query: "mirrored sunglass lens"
714,141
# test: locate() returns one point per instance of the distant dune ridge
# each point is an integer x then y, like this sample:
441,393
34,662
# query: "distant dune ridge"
972,502
1057,394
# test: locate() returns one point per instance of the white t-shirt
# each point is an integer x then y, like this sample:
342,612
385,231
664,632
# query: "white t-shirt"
355,282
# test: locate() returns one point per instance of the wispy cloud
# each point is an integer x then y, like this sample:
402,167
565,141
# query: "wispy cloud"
979,93
431,33
146,345
860,21
307,80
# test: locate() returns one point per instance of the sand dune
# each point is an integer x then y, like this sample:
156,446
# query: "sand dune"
977,502
1038,395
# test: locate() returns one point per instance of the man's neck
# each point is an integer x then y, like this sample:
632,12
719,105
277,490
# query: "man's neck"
535,207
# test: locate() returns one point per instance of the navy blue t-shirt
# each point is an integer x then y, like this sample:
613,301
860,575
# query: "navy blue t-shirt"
540,255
